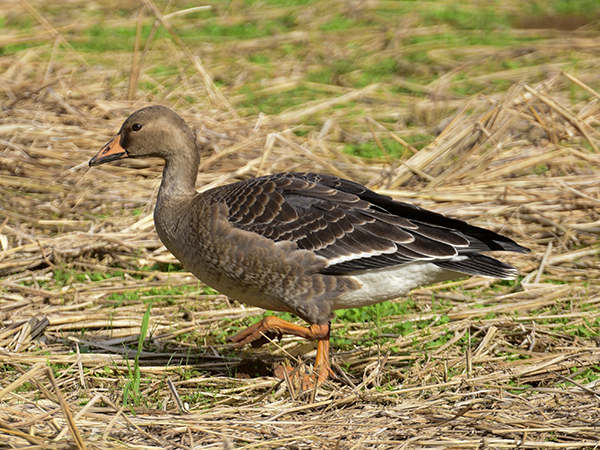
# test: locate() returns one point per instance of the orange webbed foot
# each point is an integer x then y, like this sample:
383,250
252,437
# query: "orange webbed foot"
273,326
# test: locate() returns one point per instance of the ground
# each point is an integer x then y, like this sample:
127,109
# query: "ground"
485,111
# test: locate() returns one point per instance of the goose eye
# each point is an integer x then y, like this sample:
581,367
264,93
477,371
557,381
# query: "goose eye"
136,127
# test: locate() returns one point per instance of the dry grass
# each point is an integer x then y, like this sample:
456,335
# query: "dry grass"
524,162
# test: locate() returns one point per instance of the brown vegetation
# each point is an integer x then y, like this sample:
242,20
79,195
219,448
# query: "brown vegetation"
524,162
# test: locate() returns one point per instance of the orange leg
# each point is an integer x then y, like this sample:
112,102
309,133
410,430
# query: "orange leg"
272,324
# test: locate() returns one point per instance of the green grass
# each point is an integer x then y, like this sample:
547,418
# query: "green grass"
589,8
248,30
465,25
459,17
64,277
131,390
393,149
374,313
276,103
106,39
339,23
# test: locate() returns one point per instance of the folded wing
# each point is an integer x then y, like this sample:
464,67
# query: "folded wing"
356,229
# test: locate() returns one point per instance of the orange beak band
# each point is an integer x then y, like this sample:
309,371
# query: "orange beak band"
110,152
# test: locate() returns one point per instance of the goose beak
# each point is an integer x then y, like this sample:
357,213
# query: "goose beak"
110,152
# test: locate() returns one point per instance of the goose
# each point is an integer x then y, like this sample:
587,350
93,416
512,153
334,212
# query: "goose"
303,243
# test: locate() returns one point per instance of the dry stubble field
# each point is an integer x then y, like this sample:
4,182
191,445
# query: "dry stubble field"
106,341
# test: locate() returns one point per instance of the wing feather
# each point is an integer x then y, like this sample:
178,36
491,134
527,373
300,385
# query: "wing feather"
356,229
